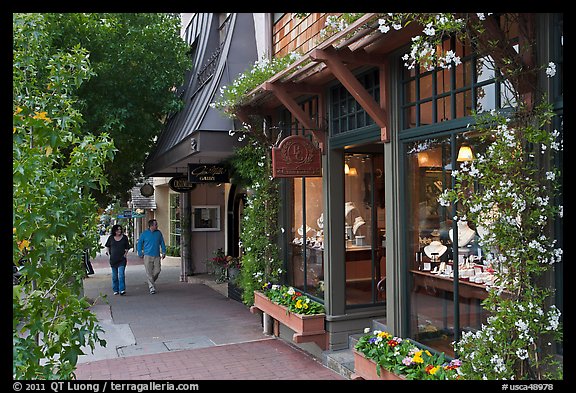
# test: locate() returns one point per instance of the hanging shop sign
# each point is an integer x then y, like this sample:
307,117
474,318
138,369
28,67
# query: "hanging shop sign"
296,156
208,173
147,190
181,184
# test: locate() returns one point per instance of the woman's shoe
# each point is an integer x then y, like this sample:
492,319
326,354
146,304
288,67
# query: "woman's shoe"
115,293
122,293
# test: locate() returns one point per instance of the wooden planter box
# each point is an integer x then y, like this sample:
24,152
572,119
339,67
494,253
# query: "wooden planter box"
307,328
365,368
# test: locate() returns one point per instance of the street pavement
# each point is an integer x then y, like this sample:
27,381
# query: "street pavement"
186,331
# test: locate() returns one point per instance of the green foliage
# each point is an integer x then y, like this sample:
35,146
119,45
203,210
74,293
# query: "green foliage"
295,301
173,251
508,192
55,163
403,357
259,237
233,95
138,60
512,207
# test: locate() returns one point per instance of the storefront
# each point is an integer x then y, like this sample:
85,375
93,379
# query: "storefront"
369,238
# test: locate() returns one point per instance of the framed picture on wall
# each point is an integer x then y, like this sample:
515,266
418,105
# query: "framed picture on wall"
205,218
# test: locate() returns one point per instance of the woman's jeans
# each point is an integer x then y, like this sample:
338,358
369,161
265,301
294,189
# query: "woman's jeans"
118,283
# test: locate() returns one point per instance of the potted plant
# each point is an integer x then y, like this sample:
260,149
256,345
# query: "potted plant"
380,355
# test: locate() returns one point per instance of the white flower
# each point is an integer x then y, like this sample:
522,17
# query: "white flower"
383,27
522,353
551,70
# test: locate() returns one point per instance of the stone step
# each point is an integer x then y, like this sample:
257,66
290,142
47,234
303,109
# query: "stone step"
342,361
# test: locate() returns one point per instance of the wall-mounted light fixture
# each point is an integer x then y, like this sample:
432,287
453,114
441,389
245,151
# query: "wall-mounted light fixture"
465,153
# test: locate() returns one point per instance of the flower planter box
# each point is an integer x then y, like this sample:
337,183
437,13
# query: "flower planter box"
307,328
365,368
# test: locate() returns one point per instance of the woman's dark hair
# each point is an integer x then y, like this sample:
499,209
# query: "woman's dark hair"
115,227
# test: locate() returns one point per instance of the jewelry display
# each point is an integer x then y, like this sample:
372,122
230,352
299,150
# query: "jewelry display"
435,250
320,221
358,222
301,230
465,234
348,207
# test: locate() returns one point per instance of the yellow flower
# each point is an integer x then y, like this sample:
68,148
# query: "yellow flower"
42,116
48,151
23,244
299,303
433,370
18,110
384,335
418,357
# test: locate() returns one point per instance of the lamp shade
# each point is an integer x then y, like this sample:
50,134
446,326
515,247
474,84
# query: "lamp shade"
465,154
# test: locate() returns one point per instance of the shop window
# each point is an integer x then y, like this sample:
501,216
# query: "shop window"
439,95
306,249
347,114
430,248
365,231
175,229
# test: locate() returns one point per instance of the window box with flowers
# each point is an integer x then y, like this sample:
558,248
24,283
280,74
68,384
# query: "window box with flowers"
294,310
379,355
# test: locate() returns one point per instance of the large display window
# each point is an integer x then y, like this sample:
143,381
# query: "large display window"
306,249
443,254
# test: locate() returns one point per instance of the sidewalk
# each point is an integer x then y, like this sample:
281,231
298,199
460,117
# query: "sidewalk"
186,331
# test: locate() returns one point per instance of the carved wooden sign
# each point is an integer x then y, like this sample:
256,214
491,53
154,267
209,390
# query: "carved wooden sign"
296,156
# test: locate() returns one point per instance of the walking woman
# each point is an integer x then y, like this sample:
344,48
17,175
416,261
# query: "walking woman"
117,247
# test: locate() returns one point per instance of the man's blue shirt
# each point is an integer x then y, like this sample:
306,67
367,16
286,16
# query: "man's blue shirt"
152,241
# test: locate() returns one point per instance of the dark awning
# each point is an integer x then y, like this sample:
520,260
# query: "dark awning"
199,133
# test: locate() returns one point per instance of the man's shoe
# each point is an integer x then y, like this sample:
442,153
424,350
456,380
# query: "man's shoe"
152,291
122,293
115,293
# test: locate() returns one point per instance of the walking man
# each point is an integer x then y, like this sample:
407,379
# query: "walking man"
152,248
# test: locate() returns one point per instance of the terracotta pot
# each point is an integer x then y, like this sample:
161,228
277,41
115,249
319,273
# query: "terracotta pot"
365,368
307,328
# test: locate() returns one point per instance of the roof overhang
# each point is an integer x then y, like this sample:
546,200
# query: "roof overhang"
201,146
359,45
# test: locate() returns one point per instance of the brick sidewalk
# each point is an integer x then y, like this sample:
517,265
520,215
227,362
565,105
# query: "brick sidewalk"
267,359
187,331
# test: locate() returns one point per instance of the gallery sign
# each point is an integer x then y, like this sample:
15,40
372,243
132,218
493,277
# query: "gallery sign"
296,156
181,184
208,173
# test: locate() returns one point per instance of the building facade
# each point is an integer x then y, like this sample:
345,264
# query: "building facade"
367,237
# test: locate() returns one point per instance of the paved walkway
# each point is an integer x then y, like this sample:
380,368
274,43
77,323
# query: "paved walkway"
186,331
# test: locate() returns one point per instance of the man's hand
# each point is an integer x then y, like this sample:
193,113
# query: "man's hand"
141,256
163,256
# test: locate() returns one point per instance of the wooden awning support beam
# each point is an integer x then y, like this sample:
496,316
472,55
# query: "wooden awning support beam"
347,78
281,92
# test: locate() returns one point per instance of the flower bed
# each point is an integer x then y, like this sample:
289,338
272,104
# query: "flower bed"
306,327
401,357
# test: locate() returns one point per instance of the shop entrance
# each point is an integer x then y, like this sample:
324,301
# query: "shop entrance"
365,227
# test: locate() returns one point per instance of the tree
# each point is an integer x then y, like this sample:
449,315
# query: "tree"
55,163
138,60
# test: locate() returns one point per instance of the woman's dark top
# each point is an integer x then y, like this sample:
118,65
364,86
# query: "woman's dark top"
117,250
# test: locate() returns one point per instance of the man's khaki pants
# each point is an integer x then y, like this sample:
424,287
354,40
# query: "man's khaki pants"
152,266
